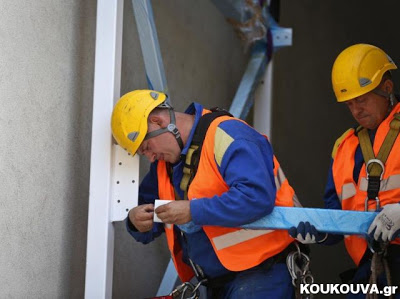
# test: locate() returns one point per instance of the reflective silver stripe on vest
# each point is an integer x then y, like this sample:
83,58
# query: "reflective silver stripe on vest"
296,201
348,190
236,237
279,178
392,182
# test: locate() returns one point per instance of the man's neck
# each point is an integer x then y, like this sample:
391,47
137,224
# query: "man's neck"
185,124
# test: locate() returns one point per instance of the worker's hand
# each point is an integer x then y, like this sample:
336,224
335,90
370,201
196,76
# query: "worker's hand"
306,233
386,225
142,217
175,212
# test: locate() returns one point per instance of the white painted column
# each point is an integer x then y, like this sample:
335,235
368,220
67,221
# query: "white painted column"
100,240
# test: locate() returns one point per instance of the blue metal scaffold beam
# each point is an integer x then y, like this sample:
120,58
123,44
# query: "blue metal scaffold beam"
153,63
249,19
156,80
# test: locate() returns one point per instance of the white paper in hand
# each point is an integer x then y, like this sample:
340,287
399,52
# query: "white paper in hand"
157,203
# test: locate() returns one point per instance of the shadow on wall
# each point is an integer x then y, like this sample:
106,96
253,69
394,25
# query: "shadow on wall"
75,233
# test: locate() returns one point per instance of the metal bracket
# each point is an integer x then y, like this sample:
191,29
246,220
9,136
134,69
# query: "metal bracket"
124,183
281,37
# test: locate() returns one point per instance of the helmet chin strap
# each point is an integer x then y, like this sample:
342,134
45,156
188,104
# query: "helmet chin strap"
170,128
389,96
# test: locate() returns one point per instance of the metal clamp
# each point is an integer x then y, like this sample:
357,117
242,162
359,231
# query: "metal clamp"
187,291
298,264
378,203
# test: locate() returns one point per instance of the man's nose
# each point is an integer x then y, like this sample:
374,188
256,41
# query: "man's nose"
356,109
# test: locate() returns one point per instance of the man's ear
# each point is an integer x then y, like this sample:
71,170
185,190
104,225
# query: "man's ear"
388,86
156,119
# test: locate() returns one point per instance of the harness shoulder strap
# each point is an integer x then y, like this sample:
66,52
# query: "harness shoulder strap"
375,166
193,155
383,154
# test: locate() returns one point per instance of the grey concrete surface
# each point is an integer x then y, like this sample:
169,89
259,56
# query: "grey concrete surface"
46,87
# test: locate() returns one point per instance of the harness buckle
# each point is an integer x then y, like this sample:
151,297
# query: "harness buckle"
374,183
174,130
379,162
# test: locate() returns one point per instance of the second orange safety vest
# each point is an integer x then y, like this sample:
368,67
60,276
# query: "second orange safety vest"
352,194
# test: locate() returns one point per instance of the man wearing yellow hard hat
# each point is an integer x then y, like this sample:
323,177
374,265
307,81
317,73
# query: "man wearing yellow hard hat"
365,169
218,173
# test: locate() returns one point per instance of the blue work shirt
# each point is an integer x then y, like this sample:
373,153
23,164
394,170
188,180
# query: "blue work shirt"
247,168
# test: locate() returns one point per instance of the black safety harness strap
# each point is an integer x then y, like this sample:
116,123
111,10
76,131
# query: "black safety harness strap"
191,163
192,158
193,155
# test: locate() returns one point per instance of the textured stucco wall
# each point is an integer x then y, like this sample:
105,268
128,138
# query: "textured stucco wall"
46,61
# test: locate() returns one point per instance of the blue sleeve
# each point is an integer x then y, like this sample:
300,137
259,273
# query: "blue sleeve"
148,192
331,201
247,168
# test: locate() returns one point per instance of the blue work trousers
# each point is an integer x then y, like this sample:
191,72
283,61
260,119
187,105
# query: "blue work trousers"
258,283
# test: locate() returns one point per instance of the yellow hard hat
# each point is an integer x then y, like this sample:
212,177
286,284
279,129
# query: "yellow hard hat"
358,70
129,117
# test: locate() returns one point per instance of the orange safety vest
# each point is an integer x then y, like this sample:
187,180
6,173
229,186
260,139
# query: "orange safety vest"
351,195
237,249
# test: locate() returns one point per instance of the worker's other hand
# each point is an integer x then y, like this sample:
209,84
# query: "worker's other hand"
142,217
306,233
175,212
386,225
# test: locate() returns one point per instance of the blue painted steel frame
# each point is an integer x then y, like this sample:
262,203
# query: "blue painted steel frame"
244,97
156,80
260,53
150,46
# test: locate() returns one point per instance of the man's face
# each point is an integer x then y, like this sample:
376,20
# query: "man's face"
162,147
369,109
